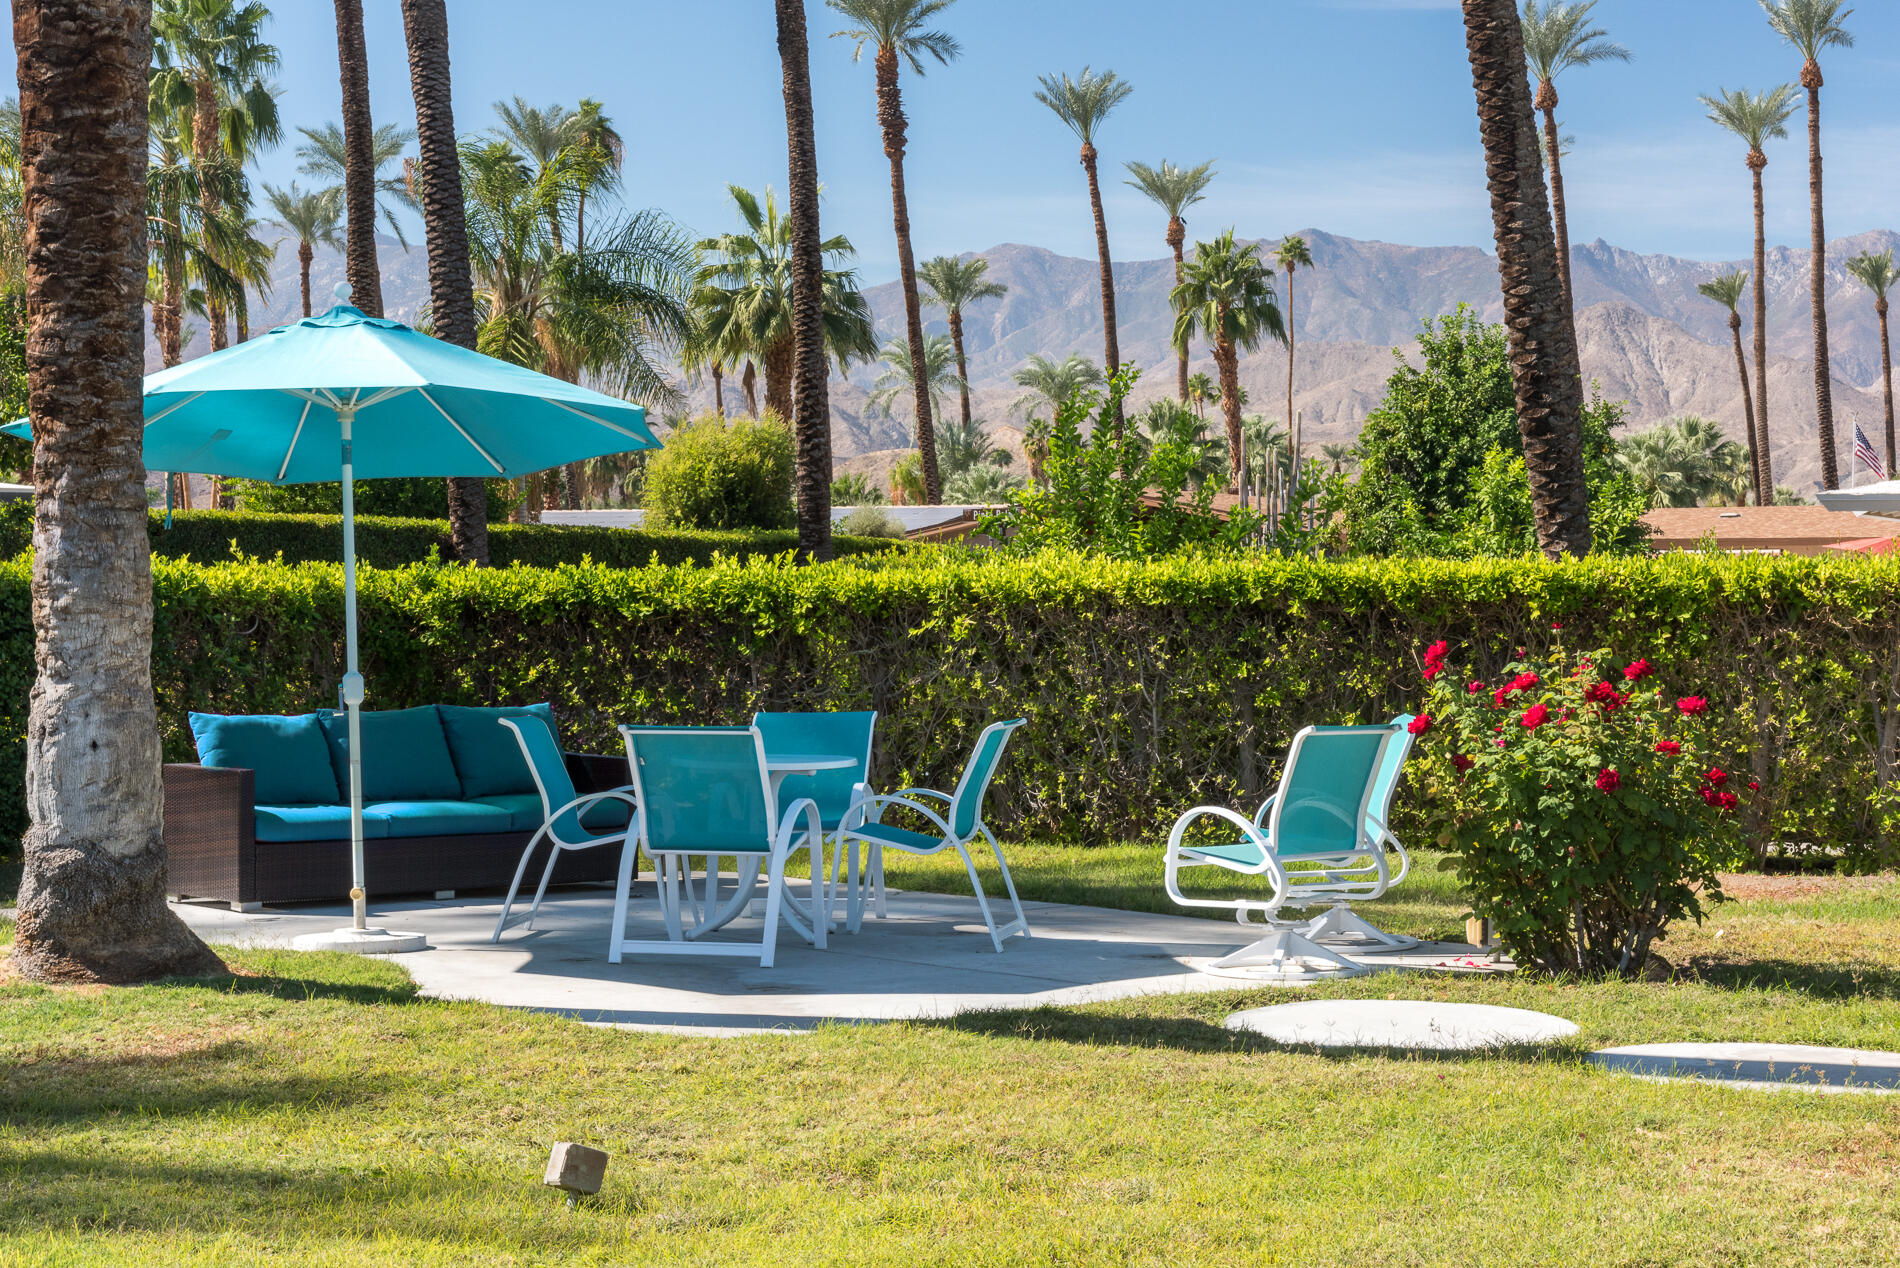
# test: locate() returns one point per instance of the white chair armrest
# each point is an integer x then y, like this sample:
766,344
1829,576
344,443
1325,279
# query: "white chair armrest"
1266,808
788,824
1384,838
923,792
588,799
875,811
1270,865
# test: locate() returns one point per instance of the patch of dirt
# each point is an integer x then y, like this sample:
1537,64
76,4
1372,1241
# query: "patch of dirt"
1749,885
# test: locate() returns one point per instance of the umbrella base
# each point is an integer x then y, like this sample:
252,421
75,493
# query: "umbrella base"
362,941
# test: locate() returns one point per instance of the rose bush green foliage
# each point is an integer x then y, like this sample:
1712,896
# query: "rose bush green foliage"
1586,804
1091,494
16,456
1442,470
715,472
418,498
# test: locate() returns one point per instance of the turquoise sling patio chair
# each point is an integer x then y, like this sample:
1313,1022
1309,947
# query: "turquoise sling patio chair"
561,811
706,792
958,821
840,794
1318,822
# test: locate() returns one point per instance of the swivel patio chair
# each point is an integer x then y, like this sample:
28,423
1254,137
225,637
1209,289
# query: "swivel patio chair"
840,794
958,821
561,812
706,792
1319,820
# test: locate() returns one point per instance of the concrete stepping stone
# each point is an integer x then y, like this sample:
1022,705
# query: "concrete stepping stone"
1407,1024
1760,1065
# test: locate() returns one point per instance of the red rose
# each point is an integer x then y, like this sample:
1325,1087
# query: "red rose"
1524,681
1437,651
1726,801
1420,724
1692,705
1433,669
1753,786
1597,692
1710,796
1556,625
1670,747
1637,669
1461,763
1608,780
1473,688
1534,717
1717,777
1500,741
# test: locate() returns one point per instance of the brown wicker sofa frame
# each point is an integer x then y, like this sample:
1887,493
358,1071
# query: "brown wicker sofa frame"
210,836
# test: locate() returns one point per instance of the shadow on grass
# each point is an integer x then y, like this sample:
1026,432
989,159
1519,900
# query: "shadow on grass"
171,1079
299,989
1820,981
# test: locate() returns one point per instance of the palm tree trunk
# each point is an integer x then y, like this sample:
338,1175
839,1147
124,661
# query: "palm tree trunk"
1227,365
811,372
1543,345
1823,379
1886,379
781,360
1748,400
890,118
1547,102
1765,473
359,164
1177,237
1292,420
168,317
719,388
92,895
749,381
963,371
1111,344
425,26
306,254
204,147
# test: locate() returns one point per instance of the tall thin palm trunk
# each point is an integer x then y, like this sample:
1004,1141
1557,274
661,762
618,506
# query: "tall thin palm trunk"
890,117
425,26
305,257
1823,378
204,148
1111,344
1177,238
1227,366
359,163
1748,399
92,895
1547,102
963,369
1543,346
719,388
1292,421
1886,380
1764,455
810,387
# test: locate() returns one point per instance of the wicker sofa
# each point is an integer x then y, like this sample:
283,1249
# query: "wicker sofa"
449,804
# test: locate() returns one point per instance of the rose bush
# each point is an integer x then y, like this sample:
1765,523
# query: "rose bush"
1582,803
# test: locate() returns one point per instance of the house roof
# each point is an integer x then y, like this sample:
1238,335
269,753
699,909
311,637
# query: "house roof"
1800,530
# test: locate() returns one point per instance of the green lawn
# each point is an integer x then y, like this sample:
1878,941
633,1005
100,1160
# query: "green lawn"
312,1111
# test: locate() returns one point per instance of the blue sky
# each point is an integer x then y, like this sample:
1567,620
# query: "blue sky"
1354,116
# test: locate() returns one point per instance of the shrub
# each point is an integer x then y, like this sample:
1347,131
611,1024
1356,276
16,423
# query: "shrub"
1585,803
723,473
403,498
871,521
855,489
16,527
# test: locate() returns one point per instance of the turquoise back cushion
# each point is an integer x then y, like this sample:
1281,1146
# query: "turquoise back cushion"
405,755
487,757
288,754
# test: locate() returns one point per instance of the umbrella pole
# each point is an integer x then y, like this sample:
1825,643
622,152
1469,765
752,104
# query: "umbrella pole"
352,679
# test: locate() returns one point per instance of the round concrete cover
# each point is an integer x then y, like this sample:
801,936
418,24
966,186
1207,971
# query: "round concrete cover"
1415,1024
361,942
1760,1065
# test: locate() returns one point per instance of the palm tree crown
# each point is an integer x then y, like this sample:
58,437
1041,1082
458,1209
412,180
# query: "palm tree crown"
956,284
1727,289
1810,25
1558,36
218,46
1052,383
899,26
322,155
1754,117
1227,296
1083,103
312,216
940,373
1173,189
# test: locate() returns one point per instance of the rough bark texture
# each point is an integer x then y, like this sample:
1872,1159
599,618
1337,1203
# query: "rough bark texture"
810,373
168,315
425,25
359,163
1227,365
719,388
1886,380
1823,378
749,383
1748,397
1292,419
1547,102
92,897
1543,348
1177,238
780,379
1111,345
1765,471
305,256
890,118
963,371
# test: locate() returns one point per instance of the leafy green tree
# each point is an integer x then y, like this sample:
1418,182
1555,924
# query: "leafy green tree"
723,473
1497,520
1174,190
1226,297
955,285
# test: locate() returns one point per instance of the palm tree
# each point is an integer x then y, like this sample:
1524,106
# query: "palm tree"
92,896
312,219
1813,25
900,28
582,141
1340,454
1052,383
1171,421
1292,253
955,285
744,293
1684,462
325,154
982,484
962,448
592,133
900,376
1084,104
1878,274
1174,190
1557,37
907,480
1226,297
1755,117
1543,343
425,25
358,166
210,55
186,247
1726,290
1202,392
811,297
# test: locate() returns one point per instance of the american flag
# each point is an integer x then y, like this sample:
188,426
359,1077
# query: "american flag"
1864,450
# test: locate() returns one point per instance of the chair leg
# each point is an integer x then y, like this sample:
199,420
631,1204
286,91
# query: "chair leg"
820,894
617,933
514,885
854,895
982,902
554,856
877,880
1009,882
774,894
670,865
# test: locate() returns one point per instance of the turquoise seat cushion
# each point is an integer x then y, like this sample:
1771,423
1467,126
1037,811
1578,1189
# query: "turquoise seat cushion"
607,816
524,810
315,823
405,755
902,838
288,755
487,756
441,818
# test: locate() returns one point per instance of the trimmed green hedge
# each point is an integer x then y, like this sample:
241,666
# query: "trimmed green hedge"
1149,687
211,536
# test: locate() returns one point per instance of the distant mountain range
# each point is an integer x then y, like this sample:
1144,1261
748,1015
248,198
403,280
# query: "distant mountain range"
1647,337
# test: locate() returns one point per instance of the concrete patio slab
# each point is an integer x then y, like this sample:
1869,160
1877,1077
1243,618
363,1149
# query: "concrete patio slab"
1413,1025
930,959
1771,1066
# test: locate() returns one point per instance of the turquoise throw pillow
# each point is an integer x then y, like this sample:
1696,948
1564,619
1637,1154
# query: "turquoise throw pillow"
405,755
487,756
288,754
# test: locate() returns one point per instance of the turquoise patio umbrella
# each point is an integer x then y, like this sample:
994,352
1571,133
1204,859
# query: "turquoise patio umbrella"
346,396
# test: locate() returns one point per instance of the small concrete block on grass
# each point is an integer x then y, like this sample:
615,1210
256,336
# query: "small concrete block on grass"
1411,1025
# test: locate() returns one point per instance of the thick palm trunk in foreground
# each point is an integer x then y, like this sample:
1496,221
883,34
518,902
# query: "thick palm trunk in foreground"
92,897
359,162
1543,347
811,413
890,117
425,25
